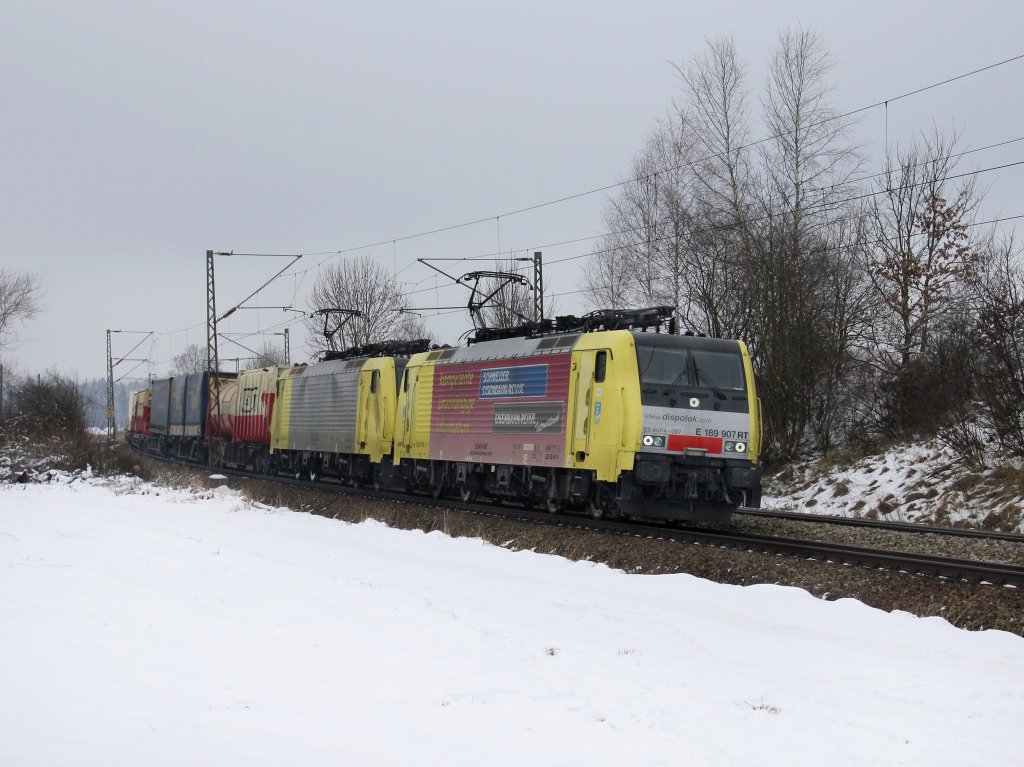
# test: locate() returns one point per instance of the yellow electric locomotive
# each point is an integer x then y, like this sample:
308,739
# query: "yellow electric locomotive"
336,417
615,422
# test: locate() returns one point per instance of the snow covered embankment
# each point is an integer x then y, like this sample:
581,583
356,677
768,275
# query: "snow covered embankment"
917,482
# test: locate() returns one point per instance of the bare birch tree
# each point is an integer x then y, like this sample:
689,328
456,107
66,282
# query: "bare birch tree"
642,260
807,168
764,245
717,115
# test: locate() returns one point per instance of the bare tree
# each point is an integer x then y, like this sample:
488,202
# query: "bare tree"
21,296
607,277
267,354
642,258
807,167
191,360
362,285
998,344
923,252
717,115
919,269
764,246
847,309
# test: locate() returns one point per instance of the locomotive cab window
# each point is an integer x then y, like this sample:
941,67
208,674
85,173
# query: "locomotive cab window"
405,380
718,369
664,366
600,366
373,381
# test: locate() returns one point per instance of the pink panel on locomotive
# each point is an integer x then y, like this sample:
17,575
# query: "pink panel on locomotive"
501,411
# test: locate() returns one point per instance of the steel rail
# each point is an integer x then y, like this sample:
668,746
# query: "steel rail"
878,524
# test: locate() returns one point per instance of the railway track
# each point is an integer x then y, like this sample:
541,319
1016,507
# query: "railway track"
918,564
995,573
876,524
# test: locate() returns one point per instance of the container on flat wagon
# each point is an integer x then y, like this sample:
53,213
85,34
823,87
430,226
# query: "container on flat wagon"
139,411
160,408
176,410
219,423
257,392
197,395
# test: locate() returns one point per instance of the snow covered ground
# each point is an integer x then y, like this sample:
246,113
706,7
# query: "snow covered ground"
913,482
148,626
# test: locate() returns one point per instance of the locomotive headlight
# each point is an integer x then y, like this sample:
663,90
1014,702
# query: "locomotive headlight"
694,402
653,440
741,447
735,447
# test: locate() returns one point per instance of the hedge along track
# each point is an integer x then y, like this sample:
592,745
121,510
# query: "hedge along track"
921,564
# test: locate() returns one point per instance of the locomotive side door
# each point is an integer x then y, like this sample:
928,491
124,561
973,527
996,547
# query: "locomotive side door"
583,363
368,428
406,412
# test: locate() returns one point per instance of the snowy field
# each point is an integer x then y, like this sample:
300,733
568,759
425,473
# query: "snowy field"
141,626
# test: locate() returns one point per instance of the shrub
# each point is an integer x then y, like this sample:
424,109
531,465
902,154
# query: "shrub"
46,405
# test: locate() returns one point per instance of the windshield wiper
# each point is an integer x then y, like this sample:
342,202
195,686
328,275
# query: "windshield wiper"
675,380
701,380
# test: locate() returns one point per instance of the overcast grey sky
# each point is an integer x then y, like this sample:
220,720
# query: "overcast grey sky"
136,135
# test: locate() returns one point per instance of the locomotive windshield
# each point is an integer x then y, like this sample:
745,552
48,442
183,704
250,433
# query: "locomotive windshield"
664,367
717,369
666,364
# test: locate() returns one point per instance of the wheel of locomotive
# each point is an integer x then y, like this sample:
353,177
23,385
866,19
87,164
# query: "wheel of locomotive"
552,504
594,508
467,494
437,490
